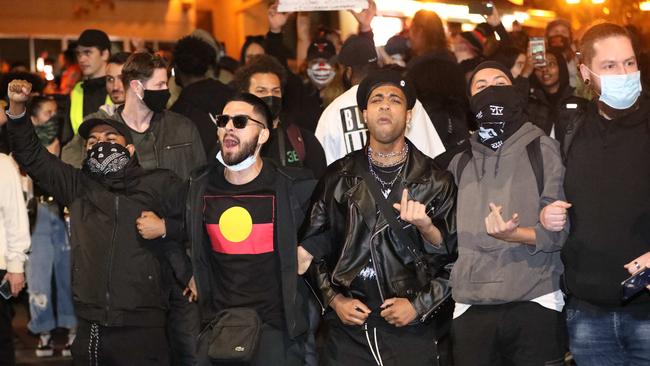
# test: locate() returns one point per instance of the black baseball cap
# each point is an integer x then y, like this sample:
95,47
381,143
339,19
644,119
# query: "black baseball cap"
357,51
94,38
89,124
381,77
321,48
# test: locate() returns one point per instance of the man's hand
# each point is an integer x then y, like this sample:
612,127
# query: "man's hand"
17,282
398,311
497,227
190,291
365,16
304,260
529,67
639,263
350,311
277,20
493,19
18,94
553,217
413,212
150,226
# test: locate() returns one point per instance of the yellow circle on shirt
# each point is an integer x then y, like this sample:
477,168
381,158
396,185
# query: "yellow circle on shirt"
236,224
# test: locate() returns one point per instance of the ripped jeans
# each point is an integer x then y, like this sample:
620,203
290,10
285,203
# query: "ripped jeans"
50,255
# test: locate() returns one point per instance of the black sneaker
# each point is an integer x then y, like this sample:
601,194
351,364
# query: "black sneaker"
44,349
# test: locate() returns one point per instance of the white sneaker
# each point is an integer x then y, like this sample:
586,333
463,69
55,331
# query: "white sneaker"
44,348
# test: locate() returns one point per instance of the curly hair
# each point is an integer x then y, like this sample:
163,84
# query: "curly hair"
193,56
261,64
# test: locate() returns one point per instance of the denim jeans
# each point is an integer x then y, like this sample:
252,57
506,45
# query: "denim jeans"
608,337
50,255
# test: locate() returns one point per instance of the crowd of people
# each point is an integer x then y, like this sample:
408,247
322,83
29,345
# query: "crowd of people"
445,199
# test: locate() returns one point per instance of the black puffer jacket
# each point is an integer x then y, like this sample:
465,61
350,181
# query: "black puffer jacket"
345,229
116,276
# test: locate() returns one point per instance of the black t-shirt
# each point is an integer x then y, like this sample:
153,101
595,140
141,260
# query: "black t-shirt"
240,222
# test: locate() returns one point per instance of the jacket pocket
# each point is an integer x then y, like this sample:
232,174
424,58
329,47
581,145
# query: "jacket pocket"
405,287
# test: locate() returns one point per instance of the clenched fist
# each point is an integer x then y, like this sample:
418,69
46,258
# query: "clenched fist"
150,226
554,216
18,94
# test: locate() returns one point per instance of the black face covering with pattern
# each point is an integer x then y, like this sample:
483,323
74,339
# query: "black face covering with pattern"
498,112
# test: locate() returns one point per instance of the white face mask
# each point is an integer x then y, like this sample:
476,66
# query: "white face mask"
321,73
619,91
243,165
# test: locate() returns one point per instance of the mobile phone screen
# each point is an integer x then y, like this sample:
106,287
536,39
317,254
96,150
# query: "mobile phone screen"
537,49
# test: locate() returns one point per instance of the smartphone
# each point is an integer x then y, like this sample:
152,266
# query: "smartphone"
5,289
537,49
635,283
481,7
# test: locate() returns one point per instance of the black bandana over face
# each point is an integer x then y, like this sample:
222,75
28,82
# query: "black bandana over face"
497,110
106,158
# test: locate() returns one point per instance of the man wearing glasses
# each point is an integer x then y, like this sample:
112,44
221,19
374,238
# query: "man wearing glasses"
243,217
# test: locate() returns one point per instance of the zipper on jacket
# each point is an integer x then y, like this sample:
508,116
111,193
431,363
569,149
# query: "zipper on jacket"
110,259
176,146
155,151
322,307
347,244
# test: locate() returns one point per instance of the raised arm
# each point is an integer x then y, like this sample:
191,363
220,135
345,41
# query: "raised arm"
61,179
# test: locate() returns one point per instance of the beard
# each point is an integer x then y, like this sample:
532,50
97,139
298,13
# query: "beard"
246,149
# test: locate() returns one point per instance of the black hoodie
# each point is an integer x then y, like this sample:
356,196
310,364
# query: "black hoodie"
198,102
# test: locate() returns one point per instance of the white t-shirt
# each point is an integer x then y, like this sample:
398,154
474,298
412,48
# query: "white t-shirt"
552,301
342,130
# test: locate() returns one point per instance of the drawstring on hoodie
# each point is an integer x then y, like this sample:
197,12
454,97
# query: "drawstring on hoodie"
496,167
376,356
482,174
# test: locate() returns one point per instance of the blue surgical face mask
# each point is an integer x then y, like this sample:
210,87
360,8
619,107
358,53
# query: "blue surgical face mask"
619,91
243,165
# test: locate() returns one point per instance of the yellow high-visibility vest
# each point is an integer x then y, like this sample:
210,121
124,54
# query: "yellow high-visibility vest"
77,106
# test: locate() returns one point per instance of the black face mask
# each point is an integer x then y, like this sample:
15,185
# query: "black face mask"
107,159
497,110
156,100
559,42
274,103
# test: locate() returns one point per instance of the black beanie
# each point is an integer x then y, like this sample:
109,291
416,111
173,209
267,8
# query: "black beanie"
489,65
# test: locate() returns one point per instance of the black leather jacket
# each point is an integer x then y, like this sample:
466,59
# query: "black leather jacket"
345,229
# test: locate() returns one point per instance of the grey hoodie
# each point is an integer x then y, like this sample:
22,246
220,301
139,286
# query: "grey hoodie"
492,271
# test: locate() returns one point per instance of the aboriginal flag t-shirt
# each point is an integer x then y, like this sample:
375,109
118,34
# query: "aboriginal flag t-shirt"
240,221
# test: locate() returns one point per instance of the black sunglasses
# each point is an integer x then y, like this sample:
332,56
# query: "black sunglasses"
239,121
